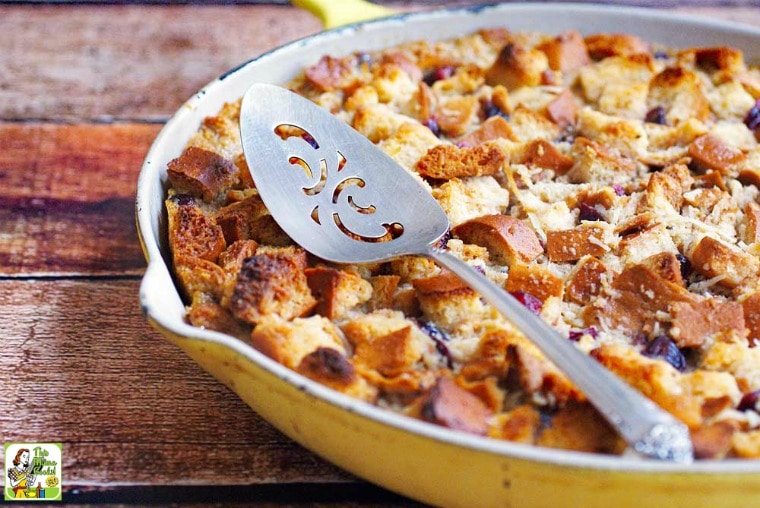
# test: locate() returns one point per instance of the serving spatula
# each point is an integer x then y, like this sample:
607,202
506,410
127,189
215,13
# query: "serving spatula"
345,201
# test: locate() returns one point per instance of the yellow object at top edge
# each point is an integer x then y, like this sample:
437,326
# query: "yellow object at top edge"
337,13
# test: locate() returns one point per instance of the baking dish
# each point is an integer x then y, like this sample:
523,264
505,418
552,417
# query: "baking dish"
428,463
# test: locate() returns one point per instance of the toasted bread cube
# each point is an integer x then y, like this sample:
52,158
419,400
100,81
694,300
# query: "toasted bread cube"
199,276
404,62
220,133
205,312
490,358
192,234
713,258
580,427
534,279
466,198
383,291
563,109
396,87
336,291
538,376
447,161
666,265
232,258
378,121
368,327
573,244
751,231
600,46
408,144
517,66
715,58
249,219
492,129
617,135
628,69
449,405
543,154
694,322
520,425
508,240
331,368
390,354
288,342
486,389
656,379
566,52
528,125
746,445
202,173
593,163
585,281
457,114
735,358
272,282
668,185
636,299
713,441
751,306
446,300
709,152
331,73
681,93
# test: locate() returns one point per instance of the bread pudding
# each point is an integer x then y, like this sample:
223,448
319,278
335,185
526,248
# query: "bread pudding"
610,185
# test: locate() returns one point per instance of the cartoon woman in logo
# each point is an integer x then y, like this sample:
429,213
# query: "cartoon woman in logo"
20,475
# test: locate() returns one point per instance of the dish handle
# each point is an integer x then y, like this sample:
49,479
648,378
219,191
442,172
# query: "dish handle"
334,14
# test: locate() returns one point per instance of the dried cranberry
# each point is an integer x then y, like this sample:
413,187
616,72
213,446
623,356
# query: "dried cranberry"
532,303
490,109
589,213
749,401
575,335
432,124
364,58
685,265
444,240
640,339
183,199
656,115
662,348
439,337
752,120
310,139
439,73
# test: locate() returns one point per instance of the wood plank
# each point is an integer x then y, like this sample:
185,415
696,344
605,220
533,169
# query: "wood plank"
128,61
67,205
87,370
144,61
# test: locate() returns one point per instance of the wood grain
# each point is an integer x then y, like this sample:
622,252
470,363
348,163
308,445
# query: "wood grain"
88,371
67,205
126,61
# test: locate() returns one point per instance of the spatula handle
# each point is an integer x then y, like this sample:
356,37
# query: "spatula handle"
646,427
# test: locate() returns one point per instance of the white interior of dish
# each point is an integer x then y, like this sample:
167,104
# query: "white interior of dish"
158,295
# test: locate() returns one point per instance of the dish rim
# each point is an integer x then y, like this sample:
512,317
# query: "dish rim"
158,273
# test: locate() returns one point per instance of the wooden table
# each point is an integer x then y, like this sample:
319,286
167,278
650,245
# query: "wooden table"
84,88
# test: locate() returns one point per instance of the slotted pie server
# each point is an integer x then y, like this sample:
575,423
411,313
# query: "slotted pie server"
344,200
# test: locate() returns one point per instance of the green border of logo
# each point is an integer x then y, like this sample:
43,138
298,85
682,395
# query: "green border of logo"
49,493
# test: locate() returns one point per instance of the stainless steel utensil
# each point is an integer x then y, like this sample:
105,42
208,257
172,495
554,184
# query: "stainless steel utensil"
344,200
